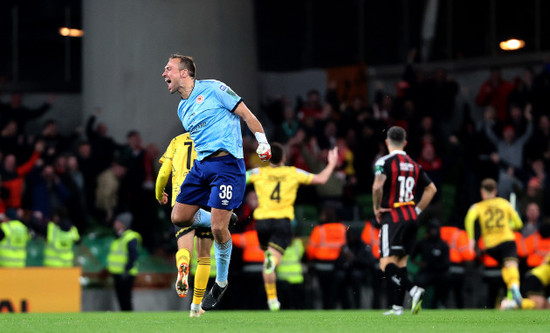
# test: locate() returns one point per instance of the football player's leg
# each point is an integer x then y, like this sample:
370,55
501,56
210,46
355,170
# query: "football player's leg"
183,258
202,275
272,258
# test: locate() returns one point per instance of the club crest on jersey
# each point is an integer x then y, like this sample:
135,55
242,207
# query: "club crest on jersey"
200,99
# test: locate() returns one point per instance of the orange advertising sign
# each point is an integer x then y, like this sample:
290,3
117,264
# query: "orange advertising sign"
40,289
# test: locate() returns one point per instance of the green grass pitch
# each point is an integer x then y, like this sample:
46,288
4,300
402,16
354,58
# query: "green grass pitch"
284,321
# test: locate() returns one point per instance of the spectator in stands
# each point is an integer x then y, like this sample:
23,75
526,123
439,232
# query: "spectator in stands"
13,176
523,89
517,120
48,193
312,107
532,193
327,139
509,153
134,186
532,220
539,144
541,89
55,143
66,168
89,168
442,90
103,146
426,132
107,191
10,141
3,193
495,92
15,110
330,194
288,127
367,148
351,114
433,167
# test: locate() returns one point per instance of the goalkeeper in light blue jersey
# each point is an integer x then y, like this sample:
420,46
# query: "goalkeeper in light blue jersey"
210,111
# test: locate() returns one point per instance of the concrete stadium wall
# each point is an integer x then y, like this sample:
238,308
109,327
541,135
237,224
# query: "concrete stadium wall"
127,44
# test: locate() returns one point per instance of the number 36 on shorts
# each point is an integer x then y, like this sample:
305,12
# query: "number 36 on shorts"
226,192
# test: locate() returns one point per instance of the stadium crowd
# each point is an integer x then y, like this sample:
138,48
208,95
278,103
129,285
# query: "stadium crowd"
85,178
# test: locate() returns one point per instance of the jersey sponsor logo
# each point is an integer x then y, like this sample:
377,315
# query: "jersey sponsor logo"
200,99
406,166
378,169
223,87
198,127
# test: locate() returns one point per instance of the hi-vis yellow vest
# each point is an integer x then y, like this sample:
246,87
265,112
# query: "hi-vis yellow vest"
290,267
13,247
59,246
118,254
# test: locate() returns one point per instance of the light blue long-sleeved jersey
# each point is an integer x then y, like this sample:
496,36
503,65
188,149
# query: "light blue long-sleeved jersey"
208,117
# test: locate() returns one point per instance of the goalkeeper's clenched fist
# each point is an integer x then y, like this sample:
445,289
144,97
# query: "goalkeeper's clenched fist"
264,149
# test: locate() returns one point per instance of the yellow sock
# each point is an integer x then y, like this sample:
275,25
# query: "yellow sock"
182,257
201,279
271,291
510,276
527,304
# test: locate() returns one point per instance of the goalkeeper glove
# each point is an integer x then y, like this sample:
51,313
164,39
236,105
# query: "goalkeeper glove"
264,149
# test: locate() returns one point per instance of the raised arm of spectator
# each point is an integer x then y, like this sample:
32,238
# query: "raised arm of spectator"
39,112
90,132
490,133
26,167
529,130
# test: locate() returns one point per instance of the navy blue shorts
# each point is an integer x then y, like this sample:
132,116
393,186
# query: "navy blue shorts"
217,182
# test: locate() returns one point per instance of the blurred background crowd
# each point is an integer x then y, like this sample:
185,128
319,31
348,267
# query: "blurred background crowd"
85,178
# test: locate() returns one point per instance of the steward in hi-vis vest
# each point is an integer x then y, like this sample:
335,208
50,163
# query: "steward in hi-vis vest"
122,259
14,236
60,240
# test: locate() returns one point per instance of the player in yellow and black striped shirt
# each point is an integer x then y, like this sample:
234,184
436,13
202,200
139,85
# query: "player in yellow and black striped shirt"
276,186
498,220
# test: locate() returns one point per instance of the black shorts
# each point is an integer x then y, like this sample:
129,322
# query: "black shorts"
503,252
533,286
275,233
200,232
397,238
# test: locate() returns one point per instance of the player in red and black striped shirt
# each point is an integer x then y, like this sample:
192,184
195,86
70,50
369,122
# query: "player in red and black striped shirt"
396,180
